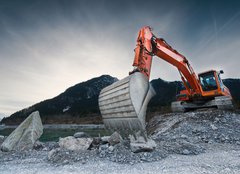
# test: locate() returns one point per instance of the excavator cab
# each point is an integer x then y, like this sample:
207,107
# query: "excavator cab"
212,85
208,81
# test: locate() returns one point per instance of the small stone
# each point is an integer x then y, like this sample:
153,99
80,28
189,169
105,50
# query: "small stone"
38,145
72,143
65,162
210,142
52,152
222,139
213,127
184,136
103,147
223,120
111,148
186,152
80,135
96,141
216,120
139,144
115,138
105,139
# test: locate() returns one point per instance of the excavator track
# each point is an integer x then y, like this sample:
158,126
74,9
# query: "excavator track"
220,102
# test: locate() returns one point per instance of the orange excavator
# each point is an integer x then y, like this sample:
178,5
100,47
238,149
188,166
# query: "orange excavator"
123,104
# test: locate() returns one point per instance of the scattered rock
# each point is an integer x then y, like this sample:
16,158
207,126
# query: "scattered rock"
51,145
184,136
38,145
187,135
115,138
213,127
103,147
111,148
216,120
75,144
62,156
139,144
185,152
96,142
52,153
25,135
105,139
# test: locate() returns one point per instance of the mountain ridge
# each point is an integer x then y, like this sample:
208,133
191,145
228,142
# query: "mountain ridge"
79,103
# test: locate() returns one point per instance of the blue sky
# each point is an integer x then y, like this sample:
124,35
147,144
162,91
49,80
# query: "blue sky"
48,46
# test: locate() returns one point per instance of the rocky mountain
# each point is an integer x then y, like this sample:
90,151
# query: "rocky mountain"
234,87
165,92
79,103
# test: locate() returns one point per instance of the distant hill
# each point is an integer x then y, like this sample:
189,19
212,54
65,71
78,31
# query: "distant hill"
165,92
234,87
79,103
76,105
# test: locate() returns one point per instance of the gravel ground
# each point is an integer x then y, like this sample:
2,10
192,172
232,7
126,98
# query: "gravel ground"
196,142
219,159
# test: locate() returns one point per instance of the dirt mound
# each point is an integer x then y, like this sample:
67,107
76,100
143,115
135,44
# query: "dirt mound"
210,126
193,132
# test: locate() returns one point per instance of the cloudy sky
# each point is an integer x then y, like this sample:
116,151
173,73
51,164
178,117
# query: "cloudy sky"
48,46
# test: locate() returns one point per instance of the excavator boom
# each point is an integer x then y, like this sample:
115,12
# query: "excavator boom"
148,45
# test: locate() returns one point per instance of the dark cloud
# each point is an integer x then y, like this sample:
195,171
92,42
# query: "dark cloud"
47,46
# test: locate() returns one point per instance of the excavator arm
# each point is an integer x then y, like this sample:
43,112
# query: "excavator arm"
148,45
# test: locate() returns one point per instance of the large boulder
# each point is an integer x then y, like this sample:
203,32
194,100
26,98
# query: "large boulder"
72,143
25,135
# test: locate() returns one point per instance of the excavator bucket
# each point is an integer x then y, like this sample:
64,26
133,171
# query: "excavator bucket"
123,104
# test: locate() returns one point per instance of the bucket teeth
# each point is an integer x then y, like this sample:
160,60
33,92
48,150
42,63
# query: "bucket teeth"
123,104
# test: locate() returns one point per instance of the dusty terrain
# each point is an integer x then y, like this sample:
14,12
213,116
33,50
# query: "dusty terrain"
195,142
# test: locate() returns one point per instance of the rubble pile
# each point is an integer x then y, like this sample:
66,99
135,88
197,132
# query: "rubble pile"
189,133
210,126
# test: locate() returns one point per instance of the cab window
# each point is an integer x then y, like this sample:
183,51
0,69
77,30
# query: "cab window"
208,81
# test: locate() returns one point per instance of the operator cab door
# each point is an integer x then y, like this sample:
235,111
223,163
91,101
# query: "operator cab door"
210,84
